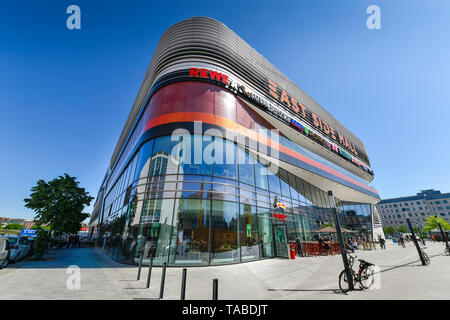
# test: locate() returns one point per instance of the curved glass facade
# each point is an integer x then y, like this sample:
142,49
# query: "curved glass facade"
215,212
199,175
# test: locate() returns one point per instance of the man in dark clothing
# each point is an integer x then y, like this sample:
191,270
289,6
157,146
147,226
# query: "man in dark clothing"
382,243
326,245
299,246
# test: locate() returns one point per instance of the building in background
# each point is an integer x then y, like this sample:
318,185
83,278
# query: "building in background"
26,223
424,204
224,160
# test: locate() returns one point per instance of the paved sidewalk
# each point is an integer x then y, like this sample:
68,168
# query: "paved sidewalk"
402,277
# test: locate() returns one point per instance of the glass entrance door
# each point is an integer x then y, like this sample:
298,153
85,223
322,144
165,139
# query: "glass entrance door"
280,235
265,236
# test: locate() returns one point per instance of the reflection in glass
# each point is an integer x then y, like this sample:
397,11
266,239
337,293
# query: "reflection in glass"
190,240
190,214
249,232
224,235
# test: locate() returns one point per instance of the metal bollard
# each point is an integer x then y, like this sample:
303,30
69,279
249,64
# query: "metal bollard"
163,277
215,289
149,274
183,284
140,265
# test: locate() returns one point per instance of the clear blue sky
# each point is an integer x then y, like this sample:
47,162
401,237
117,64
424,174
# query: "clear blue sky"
65,94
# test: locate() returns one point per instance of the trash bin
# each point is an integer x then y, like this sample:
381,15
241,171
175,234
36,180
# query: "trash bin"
292,251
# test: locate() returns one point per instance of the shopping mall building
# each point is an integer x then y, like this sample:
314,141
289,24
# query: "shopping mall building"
224,160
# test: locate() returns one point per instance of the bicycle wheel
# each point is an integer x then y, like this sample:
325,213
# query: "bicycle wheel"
344,284
367,279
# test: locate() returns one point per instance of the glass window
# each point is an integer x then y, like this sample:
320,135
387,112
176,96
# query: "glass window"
222,190
265,233
261,173
224,230
246,163
247,197
190,240
158,225
285,189
162,162
143,162
301,190
225,164
190,150
194,190
274,183
249,233
308,194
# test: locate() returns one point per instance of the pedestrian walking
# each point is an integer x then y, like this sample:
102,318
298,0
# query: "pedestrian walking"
382,243
402,242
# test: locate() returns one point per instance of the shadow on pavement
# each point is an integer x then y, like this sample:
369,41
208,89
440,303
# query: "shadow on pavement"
337,291
415,263
62,258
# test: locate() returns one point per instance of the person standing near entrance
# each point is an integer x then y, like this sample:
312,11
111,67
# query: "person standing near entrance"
320,245
299,246
326,245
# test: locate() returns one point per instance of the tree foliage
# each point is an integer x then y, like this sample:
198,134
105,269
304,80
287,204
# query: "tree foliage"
329,224
59,204
432,223
402,229
14,226
41,242
389,230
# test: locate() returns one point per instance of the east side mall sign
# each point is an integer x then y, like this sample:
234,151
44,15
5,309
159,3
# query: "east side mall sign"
287,100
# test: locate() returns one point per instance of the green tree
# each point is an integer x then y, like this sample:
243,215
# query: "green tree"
432,223
389,230
41,242
418,231
14,226
402,229
58,204
329,224
36,227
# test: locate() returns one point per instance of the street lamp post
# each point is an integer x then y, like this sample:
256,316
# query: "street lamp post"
444,235
422,259
341,240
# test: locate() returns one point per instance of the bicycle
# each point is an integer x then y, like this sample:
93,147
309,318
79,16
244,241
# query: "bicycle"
364,276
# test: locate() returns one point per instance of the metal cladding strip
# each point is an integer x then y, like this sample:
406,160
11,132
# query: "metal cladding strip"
210,39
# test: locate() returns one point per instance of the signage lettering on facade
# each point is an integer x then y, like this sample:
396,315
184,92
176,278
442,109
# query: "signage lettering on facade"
300,109
279,216
206,73
290,102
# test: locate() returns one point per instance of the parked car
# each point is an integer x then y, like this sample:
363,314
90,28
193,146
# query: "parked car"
4,252
19,247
